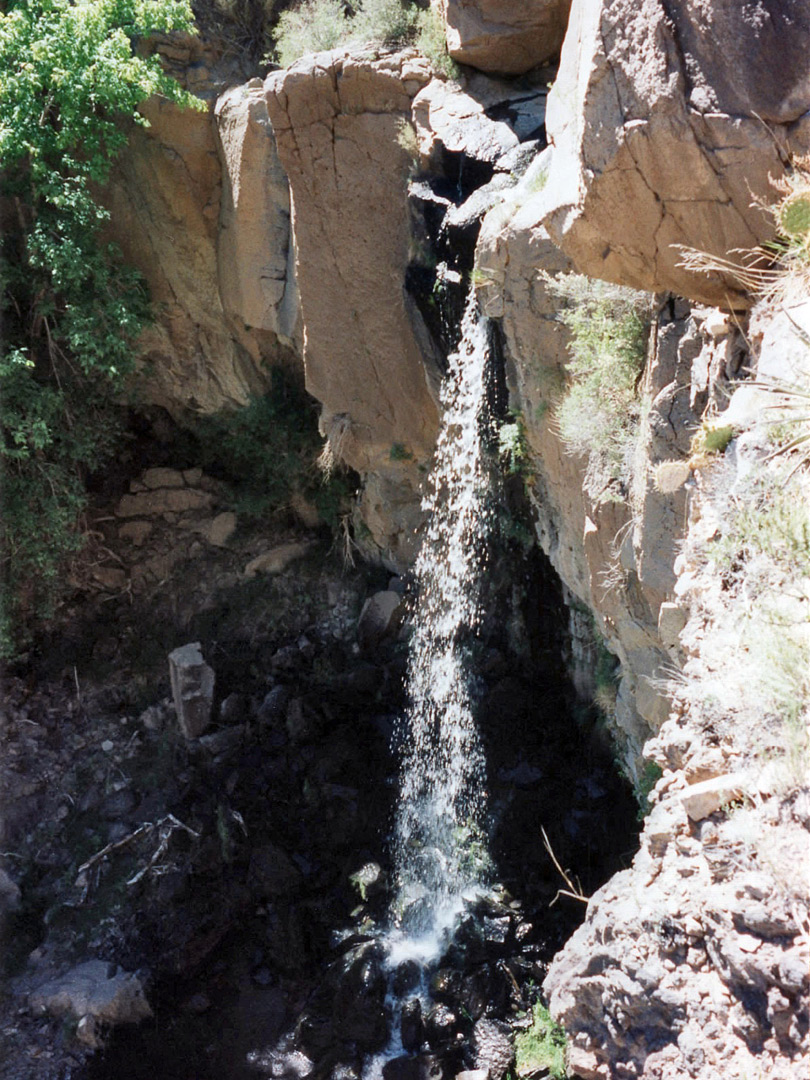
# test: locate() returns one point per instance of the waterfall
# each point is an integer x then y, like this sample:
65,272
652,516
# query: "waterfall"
439,851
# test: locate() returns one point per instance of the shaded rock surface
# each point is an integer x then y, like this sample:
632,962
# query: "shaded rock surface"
255,263
96,989
504,36
199,205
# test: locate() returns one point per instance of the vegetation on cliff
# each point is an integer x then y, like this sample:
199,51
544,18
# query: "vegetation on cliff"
598,413
324,24
72,310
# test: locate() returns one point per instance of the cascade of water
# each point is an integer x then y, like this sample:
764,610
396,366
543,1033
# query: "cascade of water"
438,835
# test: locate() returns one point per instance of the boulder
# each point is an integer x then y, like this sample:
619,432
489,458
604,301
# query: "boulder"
163,501
221,528
192,682
661,139
380,618
135,531
483,119
338,120
493,1047
504,36
93,989
277,558
162,478
705,798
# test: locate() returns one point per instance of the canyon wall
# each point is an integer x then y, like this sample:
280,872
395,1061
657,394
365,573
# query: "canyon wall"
666,127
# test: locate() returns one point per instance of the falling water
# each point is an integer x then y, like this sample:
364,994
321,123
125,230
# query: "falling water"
438,836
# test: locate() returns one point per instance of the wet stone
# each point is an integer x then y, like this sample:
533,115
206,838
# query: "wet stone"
407,977
440,1025
411,1028
423,1067
493,1047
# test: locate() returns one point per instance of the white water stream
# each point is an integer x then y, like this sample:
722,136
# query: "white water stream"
439,843
438,840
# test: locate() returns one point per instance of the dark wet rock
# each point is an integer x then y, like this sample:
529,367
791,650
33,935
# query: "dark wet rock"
446,984
474,996
272,873
480,938
380,618
423,1067
220,744
407,977
358,1010
282,1065
411,1027
286,658
369,881
362,680
440,1027
273,708
234,709
493,1047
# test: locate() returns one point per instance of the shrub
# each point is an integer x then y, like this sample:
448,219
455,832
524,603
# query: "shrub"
71,309
541,1047
599,411
311,27
266,451
387,22
431,42
316,25
778,269
513,448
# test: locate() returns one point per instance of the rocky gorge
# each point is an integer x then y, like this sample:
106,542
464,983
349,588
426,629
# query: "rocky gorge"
645,620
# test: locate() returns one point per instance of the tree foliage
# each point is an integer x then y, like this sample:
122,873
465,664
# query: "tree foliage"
70,77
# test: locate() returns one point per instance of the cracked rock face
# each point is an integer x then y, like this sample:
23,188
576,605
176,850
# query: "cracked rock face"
661,137
254,248
210,237
694,962
508,37
338,120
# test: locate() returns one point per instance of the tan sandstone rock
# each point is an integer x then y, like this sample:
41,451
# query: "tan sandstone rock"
173,213
338,119
660,141
254,249
505,36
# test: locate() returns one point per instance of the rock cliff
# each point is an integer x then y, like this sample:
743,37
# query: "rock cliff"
666,127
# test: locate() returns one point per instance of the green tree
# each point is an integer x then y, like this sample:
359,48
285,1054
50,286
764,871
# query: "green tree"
71,76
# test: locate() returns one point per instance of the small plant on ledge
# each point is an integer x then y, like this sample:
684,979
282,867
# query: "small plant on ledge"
599,412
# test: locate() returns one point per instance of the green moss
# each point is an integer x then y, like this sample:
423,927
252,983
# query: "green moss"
542,1047
644,783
